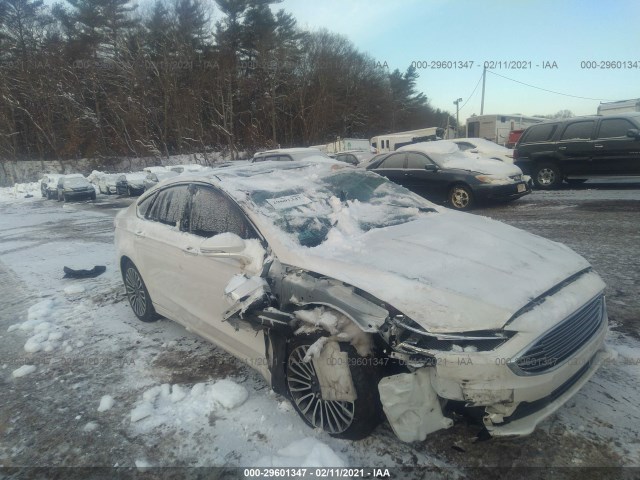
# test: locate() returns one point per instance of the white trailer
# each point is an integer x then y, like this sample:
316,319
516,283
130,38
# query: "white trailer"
344,144
621,106
391,141
496,127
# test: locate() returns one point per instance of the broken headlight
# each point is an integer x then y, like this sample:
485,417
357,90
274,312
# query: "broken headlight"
409,337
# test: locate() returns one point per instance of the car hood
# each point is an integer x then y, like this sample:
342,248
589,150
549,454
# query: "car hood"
449,271
474,163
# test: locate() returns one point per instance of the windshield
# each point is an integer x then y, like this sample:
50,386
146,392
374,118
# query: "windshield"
76,182
345,203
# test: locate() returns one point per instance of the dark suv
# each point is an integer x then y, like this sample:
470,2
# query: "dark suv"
574,148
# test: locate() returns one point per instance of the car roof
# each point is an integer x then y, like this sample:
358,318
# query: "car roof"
590,117
287,150
256,176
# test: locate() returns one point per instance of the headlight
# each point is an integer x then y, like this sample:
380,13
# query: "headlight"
494,179
411,338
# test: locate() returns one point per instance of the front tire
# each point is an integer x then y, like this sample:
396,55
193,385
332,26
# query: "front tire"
460,197
547,176
341,419
137,293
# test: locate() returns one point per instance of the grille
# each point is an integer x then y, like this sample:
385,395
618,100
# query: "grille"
562,341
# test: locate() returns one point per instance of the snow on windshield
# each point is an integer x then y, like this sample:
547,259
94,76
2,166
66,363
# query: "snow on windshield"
312,208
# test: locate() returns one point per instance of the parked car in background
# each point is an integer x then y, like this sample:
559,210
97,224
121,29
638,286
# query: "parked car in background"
155,169
435,311
514,136
353,157
49,185
107,183
576,148
484,148
131,184
193,167
152,179
75,187
440,172
287,154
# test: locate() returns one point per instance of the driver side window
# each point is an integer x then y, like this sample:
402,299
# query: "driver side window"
212,213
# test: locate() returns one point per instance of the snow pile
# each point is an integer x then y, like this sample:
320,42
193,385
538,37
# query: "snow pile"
305,453
106,402
23,370
178,406
20,190
39,322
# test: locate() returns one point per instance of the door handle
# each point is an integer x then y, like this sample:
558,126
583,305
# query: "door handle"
139,233
598,145
562,148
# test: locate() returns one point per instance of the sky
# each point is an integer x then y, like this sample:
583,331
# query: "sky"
513,33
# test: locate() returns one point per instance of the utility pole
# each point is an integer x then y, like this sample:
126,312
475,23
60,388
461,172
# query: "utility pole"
484,77
457,103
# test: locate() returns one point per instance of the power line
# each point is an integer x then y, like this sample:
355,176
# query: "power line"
551,91
471,96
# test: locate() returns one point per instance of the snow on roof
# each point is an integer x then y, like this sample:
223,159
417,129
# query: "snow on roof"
441,147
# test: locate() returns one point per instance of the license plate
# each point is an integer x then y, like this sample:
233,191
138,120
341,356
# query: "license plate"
521,187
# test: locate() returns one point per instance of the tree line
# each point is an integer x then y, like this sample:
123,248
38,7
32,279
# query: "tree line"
103,78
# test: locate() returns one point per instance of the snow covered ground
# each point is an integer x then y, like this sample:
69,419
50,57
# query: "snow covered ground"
84,383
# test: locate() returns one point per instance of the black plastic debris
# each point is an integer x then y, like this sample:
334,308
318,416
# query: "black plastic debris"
94,272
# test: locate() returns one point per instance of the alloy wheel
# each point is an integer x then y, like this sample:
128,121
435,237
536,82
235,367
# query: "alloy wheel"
333,416
135,292
546,176
460,197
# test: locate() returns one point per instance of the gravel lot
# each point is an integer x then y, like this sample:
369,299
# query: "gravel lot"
46,417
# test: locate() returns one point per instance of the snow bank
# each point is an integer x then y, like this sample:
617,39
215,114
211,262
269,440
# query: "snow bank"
178,406
305,453
23,370
20,190
106,402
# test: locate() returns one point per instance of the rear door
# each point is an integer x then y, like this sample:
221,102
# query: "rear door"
615,152
393,168
575,147
157,243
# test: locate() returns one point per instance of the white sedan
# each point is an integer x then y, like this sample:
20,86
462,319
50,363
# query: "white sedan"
354,297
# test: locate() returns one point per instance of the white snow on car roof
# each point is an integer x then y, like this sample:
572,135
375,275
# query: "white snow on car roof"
442,147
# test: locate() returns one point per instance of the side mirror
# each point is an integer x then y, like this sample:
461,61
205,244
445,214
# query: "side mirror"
430,167
633,133
222,245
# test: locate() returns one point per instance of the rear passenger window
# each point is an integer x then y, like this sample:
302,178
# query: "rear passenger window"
539,133
578,131
170,205
212,213
143,206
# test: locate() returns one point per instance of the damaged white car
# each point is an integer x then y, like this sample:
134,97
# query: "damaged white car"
353,297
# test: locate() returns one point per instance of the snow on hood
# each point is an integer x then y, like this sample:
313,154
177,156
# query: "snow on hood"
448,155
447,271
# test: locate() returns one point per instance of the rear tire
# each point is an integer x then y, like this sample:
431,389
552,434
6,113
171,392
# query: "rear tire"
547,176
137,293
460,197
93,196
341,419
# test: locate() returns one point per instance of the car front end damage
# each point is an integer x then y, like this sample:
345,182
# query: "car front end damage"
517,375
521,373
